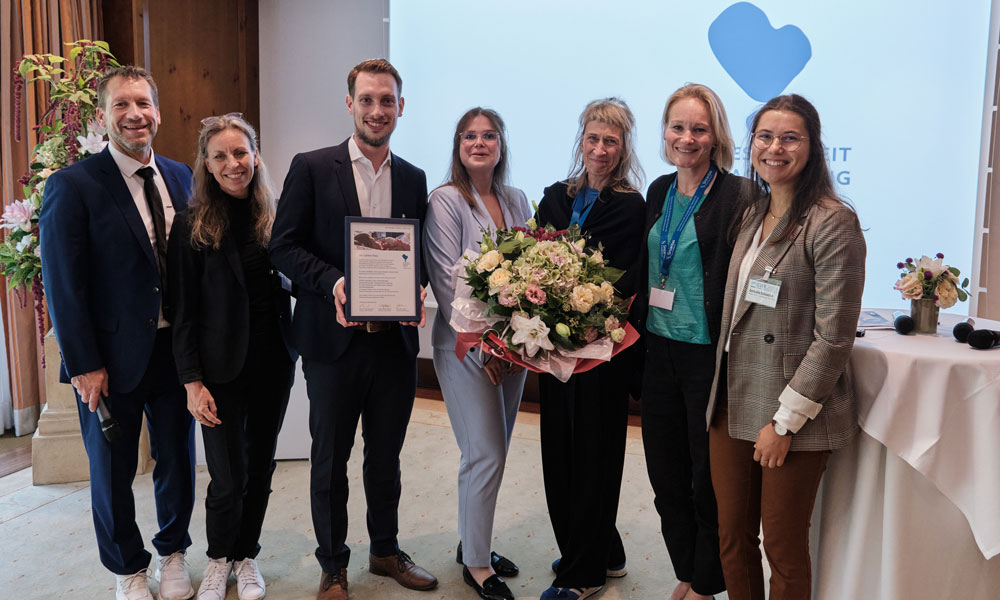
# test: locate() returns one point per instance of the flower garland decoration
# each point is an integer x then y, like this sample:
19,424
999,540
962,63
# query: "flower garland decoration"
67,132
928,278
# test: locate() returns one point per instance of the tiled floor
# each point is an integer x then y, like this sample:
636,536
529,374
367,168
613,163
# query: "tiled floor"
49,549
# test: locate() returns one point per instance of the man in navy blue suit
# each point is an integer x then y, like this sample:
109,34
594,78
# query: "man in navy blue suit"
365,371
104,224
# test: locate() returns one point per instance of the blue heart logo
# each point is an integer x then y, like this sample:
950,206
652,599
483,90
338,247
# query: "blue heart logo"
761,59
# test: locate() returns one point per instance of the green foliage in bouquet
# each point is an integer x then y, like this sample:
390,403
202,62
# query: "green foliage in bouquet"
549,286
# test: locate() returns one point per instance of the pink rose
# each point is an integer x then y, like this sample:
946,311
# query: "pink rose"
590,334
611,323
910,286
506,298
535,295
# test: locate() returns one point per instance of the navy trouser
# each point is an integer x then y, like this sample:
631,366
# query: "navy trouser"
113,466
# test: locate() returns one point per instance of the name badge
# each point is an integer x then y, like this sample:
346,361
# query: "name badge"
661,298
763,291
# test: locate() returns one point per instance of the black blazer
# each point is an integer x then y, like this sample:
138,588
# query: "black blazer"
101,278
711,223
307,242
211,308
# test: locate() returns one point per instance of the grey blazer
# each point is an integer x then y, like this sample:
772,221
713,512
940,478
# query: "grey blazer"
805,341
451,227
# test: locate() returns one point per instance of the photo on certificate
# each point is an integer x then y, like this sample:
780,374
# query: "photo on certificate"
382,275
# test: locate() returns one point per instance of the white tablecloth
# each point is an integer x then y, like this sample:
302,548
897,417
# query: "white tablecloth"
912,508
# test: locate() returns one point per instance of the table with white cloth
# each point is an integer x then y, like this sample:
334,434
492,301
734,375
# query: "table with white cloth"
911,508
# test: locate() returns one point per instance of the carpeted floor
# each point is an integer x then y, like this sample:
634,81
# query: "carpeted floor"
50,552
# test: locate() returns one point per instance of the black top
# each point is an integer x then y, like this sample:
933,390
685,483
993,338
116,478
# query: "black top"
711,223
221,297
257,269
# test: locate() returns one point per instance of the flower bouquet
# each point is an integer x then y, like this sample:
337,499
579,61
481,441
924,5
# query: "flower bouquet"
929,279
930,286
540,298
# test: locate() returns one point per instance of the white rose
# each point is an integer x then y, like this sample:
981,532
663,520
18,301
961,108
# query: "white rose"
498,279
581,299
947,294
489,261
617,335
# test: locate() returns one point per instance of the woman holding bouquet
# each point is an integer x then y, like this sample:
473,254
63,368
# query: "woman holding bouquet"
584,421
482,393
229,313
688,215
782,399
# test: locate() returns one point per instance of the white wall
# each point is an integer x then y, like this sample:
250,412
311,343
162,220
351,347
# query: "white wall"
307,47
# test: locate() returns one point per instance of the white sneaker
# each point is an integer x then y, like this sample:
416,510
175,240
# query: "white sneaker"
133,587
213,582
249,583
171,572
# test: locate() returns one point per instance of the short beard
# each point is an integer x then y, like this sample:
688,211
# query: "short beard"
131,146
373,142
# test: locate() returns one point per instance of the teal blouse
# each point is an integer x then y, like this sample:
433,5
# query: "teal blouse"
687,321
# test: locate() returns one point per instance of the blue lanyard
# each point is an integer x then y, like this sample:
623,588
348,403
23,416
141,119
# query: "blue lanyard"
668,246
585,200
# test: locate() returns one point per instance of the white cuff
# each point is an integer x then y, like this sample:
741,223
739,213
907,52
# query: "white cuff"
795,409
334,290
789,419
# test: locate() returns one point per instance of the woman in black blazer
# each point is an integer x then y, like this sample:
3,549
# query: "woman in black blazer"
229,313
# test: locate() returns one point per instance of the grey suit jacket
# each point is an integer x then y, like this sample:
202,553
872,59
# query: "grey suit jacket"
805,341
450,228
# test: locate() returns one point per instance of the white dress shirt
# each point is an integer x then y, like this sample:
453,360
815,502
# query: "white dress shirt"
128,167
374,187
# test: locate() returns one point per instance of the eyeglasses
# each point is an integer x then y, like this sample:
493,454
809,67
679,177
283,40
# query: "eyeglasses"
211,120
789,141
470,137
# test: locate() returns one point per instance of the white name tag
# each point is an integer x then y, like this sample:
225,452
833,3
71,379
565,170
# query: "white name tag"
661,298
763,291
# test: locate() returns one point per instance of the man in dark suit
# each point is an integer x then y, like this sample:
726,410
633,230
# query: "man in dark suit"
353,370
103,226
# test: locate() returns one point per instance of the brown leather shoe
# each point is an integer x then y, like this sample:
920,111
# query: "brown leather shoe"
333,586
401,568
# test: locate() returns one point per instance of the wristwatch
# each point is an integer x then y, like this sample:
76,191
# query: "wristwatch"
779,428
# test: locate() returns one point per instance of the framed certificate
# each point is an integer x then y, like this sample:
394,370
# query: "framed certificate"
382,275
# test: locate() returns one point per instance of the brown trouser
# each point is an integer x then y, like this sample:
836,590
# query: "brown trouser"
780,499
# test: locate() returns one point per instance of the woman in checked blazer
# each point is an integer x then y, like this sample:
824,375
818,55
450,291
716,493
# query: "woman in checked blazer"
782,399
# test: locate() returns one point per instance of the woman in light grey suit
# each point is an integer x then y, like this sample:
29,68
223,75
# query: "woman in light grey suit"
782,399
482,395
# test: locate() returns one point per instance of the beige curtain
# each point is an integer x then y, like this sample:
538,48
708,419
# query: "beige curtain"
30,27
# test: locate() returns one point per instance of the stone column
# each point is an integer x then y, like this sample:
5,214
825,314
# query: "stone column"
57,452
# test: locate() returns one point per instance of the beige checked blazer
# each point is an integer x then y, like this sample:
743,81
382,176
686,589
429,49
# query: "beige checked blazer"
806,340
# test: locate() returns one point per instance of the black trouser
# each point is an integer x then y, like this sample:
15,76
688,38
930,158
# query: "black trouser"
676,385
583,427
240,451
373,380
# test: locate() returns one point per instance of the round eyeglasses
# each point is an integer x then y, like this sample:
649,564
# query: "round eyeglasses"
789,141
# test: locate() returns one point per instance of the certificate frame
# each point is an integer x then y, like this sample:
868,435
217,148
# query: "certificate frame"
382,269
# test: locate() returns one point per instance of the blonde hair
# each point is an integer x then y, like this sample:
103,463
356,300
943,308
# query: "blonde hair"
208,211
627,175
722,153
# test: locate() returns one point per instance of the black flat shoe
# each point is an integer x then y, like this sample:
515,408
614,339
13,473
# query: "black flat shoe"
503,566
493,588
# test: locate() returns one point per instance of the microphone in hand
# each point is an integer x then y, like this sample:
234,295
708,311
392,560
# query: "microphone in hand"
963,329
109,425
984,339
902,322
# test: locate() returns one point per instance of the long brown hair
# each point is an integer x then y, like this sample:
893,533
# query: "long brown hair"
814,183
207,210
628,175
460,175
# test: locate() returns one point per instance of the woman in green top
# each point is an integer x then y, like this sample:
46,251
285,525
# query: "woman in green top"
688,216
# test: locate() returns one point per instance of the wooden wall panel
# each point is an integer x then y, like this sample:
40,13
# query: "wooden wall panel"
203,55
